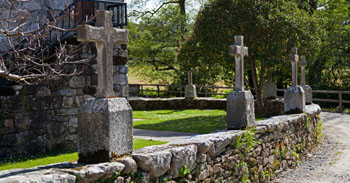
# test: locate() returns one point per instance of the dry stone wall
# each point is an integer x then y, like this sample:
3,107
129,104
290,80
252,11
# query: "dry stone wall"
258,155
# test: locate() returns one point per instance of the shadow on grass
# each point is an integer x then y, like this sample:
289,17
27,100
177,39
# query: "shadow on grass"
199,124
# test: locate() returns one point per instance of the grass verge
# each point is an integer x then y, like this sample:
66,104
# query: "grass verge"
41,160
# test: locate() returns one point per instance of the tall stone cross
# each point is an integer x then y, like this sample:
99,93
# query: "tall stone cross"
190,77
239,51
295,59
303,64
104,36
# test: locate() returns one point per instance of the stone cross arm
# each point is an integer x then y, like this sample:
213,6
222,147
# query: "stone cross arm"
90,33
238,48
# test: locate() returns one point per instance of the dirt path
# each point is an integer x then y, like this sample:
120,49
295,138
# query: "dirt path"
331,162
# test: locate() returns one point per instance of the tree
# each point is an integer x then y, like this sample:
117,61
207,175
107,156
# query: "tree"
33,54
154,43
270,29
330,69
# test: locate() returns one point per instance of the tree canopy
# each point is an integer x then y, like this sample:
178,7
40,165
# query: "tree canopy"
270,30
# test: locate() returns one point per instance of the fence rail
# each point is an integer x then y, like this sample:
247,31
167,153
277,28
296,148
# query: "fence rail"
206,91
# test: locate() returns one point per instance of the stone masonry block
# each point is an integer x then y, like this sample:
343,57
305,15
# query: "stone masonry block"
190,91
270,91
104,129
308,94
240,110
294,100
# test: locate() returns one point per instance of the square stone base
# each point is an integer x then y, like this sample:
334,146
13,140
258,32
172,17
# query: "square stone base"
240,110
270,91
104,129
190,91
294,100
308,94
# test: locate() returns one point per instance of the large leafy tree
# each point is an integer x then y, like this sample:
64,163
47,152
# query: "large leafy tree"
270,29
154,42
331,69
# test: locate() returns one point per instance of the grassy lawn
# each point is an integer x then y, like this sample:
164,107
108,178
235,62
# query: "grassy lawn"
194,121
66,157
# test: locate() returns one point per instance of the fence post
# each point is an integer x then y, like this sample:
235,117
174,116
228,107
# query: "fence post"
340,102
158,89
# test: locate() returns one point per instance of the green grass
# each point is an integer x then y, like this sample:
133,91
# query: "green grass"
193,121
58,158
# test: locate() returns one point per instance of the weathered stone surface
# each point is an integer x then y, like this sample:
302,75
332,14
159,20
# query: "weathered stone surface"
181,156
36,175
104,35
240,110
91,173
123,69
67,92
121,79
153,160
308,94
270,91
104,129
77,82
190,91
294,100
130,165
43,92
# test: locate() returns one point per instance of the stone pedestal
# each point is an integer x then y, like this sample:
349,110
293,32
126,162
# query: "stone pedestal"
104,129
190,91
270,91
240,110
308,94
294,100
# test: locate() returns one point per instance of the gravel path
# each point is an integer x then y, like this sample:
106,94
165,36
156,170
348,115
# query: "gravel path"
161,135
331,161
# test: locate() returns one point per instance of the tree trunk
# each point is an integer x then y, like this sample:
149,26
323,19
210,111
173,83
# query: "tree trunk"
258,88
182,7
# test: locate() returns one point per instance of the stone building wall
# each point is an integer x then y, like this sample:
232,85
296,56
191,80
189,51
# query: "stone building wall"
258,155
40,119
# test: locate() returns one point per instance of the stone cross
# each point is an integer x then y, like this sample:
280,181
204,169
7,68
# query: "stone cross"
104,36
295,59
190,77
302,70
239,51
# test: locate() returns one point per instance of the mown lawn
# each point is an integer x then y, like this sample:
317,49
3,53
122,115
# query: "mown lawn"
193,121
65,157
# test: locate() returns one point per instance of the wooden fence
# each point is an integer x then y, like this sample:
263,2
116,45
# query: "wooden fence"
154,90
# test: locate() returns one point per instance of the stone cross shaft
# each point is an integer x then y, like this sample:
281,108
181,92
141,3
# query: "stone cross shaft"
239,51
295,59
303,64
104,36
190,77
